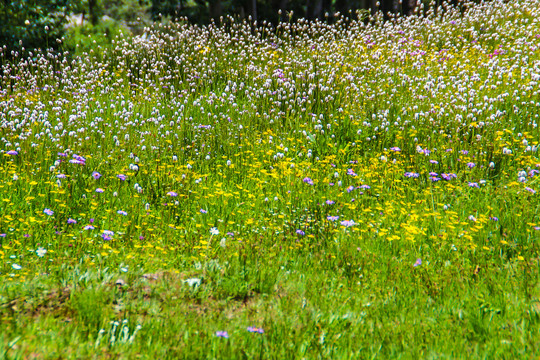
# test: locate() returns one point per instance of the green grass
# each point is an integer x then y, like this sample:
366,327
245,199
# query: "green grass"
355,191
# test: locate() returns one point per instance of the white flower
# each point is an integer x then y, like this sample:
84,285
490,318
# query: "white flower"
16,266
41,252
214,231
193,282
223,243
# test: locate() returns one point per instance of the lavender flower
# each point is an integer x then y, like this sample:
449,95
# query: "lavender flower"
222,334
308,181
348,223
48,212
252,329
96,175
418,262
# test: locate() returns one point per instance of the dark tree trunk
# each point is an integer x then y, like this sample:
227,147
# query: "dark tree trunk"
314,9
92,9
254,9
214,9
408,7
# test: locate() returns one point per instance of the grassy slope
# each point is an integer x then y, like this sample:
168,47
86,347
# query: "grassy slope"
294,113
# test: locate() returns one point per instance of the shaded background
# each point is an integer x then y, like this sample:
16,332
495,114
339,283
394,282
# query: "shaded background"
78,26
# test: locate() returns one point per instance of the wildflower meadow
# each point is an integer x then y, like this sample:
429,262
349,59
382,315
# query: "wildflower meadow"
303,190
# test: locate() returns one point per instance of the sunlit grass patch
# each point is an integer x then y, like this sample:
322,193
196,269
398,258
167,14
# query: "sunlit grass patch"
314,190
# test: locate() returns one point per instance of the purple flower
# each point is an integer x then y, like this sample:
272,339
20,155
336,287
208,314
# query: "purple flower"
418,262
122,212
351,172
61,176
88,227
434,162
411,175
308,181
71,221
99,190
473,185
222,334
121,177
350,188
62,154
96,175
107,235
464,152
365,187
12,152
433,174
172,193
395,148
470,165
332,218
300,232
48,212
330,202
532,191
435,179
252,329
203,211
493,218
3,235
348,223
